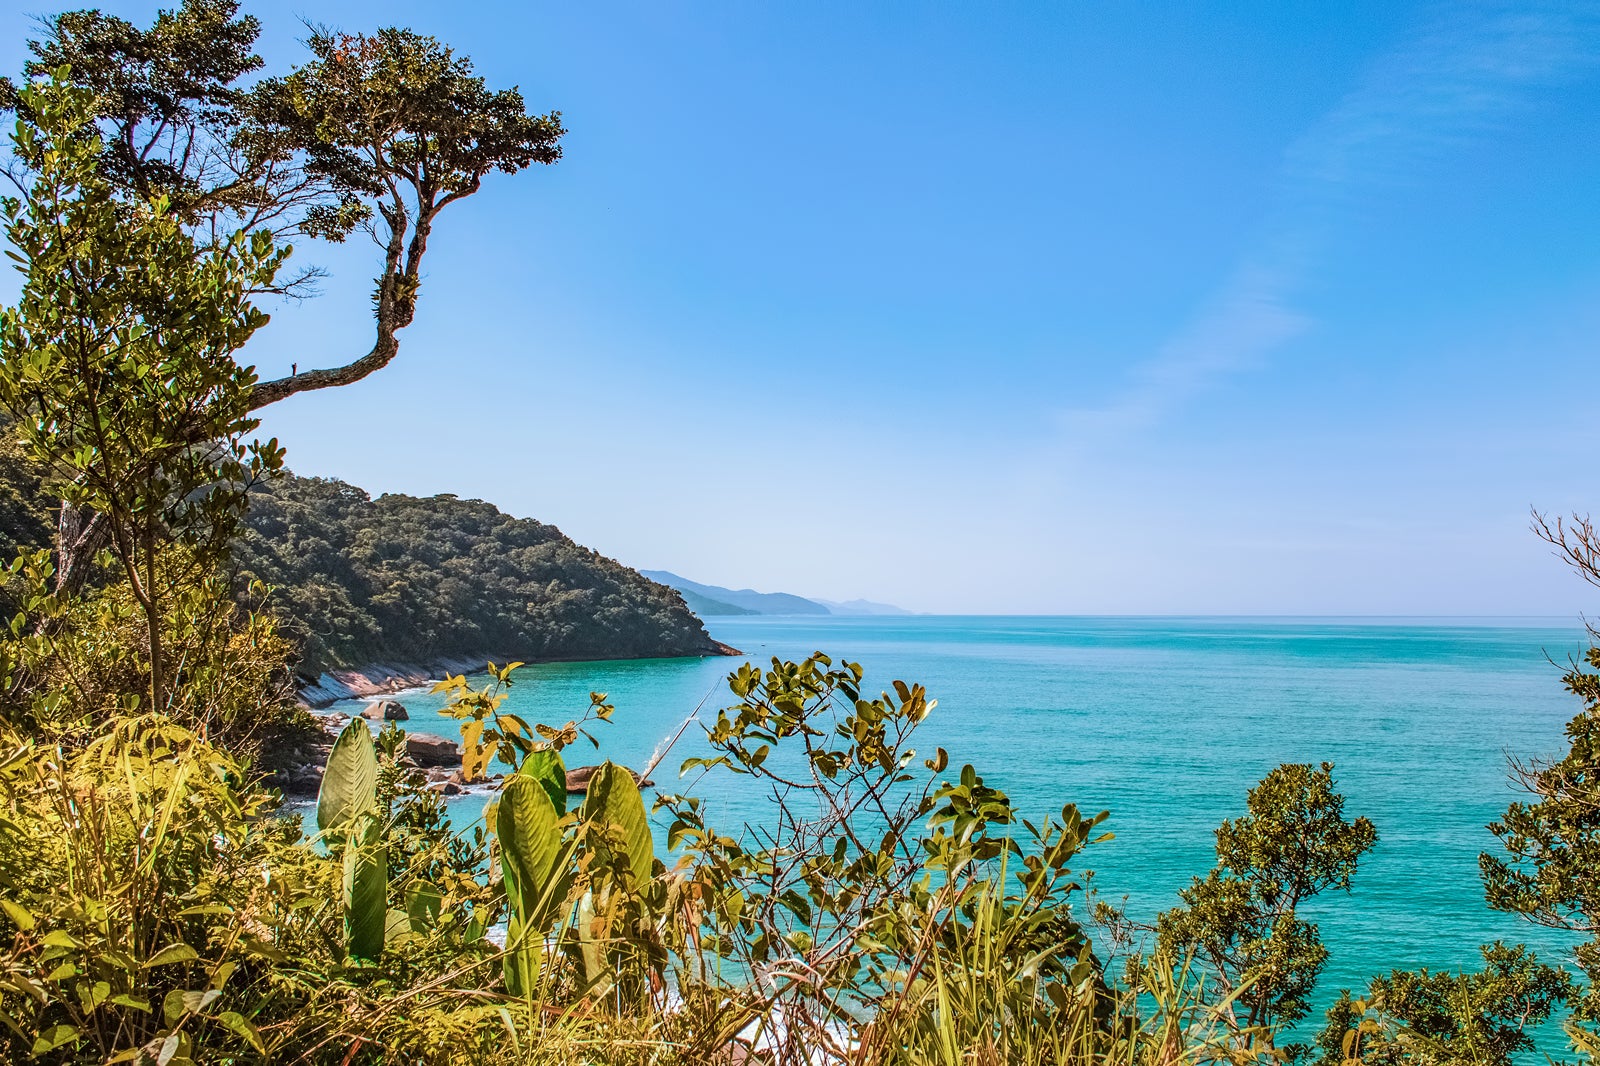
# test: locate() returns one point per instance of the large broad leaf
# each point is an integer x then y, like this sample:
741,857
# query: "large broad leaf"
424,902
366,887
592,949
531,860
546,767
613,799
529,832
350,781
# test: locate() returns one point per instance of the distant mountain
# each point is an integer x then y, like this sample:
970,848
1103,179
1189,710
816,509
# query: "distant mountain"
862,607
704,606
741,601
706,600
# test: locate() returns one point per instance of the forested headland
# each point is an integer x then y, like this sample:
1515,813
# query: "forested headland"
403,579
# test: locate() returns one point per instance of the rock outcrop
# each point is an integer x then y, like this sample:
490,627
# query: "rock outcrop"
385,711
430,749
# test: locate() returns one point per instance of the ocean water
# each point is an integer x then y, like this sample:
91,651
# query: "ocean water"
1166,723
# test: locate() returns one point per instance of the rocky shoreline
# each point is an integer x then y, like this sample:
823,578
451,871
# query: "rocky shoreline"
300,772
384,679
378,679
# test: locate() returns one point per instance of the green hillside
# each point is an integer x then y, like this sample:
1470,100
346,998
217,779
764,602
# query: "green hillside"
407,579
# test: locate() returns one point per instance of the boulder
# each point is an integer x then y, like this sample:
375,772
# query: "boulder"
578,778
430,749
385,711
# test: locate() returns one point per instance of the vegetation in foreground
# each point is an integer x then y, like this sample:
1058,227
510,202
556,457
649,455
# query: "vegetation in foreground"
155,905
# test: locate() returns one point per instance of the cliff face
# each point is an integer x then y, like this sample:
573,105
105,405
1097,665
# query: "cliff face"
407,580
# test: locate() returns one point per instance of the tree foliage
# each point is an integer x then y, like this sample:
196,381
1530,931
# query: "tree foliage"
175,119
1551,870
394,124
116,364
1426,1018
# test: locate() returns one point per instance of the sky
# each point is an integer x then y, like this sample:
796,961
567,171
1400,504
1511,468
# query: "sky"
1087,308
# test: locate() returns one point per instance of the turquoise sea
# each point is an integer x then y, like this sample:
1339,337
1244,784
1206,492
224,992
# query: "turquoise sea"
1166,723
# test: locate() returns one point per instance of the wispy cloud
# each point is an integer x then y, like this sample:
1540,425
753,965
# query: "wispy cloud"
1466,75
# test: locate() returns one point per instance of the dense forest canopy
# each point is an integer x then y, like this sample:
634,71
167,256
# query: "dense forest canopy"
405,579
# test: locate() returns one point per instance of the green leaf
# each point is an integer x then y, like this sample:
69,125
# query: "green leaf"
60,938
547,768
396,924
350,781
366,885
20,916
54,1037
529,832
591,949
241,1026
172,953
179,1002
424,902
613,799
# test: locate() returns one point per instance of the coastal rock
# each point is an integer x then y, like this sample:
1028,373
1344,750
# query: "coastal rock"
446,788
303,780
385,711
578,778
430,749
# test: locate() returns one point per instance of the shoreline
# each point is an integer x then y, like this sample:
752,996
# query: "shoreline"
389,678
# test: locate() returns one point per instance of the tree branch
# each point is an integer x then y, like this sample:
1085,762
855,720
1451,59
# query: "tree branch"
270,392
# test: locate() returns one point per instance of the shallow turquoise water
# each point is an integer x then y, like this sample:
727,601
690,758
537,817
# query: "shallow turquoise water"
1167,723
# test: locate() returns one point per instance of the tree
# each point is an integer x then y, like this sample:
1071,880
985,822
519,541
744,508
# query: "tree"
378,132
1240,921
117,361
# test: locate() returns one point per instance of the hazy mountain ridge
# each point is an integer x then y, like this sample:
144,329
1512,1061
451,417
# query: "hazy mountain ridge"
716,600
863,607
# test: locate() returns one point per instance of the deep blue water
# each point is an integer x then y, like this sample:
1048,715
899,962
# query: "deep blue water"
1167,722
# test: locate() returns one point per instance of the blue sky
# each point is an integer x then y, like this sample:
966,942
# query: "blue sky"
1109,308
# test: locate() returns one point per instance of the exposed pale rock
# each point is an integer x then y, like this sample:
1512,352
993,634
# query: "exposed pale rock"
385,711
430,749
